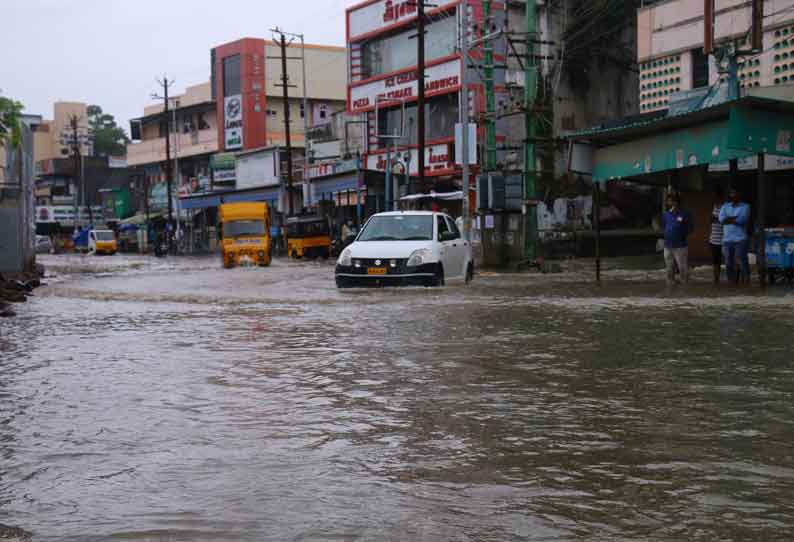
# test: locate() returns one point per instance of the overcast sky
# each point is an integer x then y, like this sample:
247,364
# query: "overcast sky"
109,52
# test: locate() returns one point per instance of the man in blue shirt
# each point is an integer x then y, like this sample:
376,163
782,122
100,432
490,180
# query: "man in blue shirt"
678,226
734,217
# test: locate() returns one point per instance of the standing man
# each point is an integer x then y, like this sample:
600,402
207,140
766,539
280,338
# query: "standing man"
734,216
715,239
678,226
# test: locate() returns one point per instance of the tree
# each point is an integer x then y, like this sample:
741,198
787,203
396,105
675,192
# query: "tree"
109,138
9,122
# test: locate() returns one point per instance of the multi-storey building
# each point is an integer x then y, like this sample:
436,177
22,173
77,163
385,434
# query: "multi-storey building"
193,140
670,54
383,87
66,186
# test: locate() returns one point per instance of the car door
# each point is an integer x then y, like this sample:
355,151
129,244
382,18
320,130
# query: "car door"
447,248
457,250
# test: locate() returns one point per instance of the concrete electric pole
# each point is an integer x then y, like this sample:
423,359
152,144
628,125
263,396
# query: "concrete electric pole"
166,84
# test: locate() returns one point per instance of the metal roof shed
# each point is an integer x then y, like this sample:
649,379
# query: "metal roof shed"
646,148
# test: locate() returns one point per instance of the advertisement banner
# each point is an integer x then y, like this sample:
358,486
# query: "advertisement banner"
223,167
332,168
64,214
258,169
438,161
441,78
771,163
233,122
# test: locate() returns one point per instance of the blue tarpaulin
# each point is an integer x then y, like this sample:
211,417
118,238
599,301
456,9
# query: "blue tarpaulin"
333,186
270,195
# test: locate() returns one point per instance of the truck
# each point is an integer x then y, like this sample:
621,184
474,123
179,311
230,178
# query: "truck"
245,234
95,241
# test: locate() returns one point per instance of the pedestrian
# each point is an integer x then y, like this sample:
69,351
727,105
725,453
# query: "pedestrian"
715,239
734,217
678,226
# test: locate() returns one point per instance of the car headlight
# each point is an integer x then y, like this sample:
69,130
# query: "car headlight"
419,257
346,258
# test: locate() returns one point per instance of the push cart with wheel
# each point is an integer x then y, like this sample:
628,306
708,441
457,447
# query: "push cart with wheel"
780,254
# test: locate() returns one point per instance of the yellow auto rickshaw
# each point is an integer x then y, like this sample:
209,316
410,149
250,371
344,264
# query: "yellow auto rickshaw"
308,237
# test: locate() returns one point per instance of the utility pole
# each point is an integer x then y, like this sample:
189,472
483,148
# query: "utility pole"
464,119
530,129
166,84
176,161
73,123
306,148
490,98
420,81
282,42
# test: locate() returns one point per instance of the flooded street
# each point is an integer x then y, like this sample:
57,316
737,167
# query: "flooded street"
148,400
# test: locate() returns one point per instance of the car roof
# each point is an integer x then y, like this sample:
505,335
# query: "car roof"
410,213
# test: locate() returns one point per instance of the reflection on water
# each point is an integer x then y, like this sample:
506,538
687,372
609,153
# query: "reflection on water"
172,400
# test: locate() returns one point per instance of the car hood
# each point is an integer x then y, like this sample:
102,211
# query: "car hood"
387,249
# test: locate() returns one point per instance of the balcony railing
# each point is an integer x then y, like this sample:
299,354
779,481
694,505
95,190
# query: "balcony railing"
153,150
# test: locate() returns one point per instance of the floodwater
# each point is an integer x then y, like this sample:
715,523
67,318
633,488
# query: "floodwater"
149,400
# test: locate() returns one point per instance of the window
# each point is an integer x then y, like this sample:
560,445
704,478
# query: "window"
303,110
231,75
202,122
398,228
442,226
441,114
700,69
163,128
453,227
398,51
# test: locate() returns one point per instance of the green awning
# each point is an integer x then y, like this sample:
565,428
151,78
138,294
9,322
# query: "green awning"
716,134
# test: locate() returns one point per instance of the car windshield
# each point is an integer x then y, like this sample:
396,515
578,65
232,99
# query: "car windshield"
242,228
398,228
104,235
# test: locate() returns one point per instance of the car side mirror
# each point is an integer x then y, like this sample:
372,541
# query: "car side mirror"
448,236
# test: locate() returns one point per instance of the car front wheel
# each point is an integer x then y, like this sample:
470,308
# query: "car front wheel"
438,278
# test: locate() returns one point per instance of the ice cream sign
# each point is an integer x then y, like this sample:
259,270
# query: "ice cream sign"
440,79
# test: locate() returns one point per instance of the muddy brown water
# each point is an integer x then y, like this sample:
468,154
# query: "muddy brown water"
172,400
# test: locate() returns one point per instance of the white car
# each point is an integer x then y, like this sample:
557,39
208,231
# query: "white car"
406,248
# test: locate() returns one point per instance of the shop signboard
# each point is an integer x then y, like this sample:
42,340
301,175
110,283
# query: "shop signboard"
332,168
233,122
255,169
439,160
223,167
64,214
441,78
383,14
772,162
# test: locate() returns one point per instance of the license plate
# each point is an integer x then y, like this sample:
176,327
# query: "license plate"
376,271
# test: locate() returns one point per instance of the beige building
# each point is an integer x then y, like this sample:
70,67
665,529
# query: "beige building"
51,137
326,89
670,47
196,128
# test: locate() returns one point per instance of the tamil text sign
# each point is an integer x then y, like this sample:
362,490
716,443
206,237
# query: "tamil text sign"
383,14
